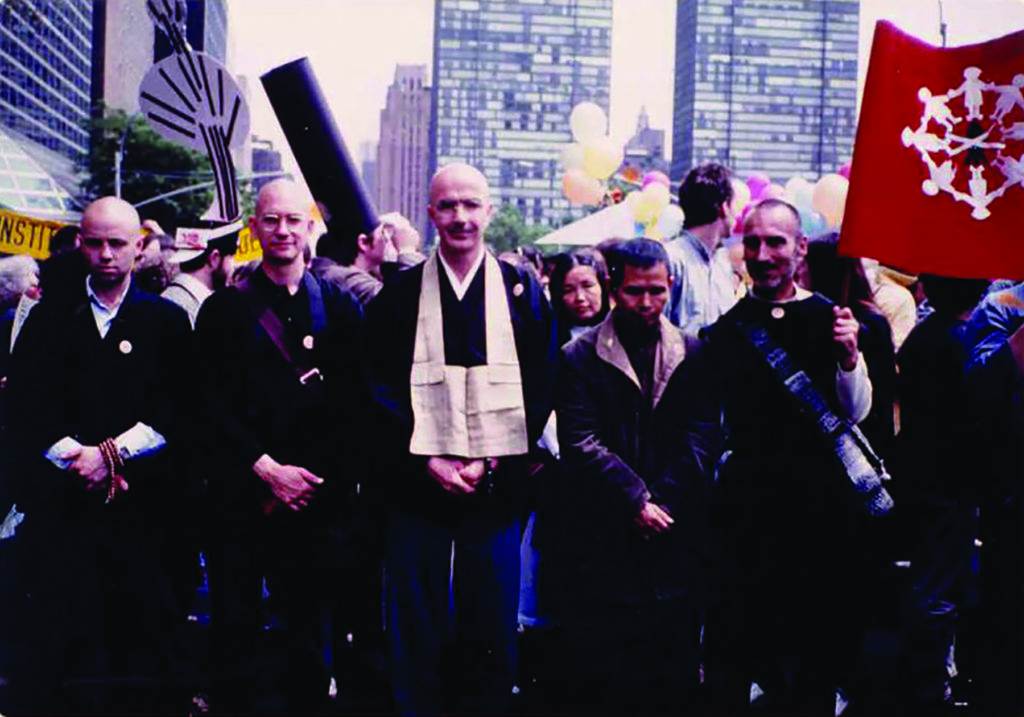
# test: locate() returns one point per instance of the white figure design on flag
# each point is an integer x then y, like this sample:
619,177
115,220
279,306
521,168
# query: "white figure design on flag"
972,89
1009,96
977,138
924,141
935,108
1012,169
940,177
978,142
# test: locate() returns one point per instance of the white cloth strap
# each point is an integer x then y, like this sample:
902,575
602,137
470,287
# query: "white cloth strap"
476,412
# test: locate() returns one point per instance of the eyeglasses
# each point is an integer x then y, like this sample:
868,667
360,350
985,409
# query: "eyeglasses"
292,222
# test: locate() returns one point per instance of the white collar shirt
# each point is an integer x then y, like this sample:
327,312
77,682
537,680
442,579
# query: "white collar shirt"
103,315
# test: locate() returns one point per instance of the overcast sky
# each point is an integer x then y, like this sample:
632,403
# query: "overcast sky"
354,46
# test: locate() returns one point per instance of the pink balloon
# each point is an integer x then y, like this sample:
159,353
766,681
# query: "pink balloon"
654,176
737,227
844,171
757,183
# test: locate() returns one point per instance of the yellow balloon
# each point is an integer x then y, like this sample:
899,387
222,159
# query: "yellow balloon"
659,195
587,121
601,157
580,188
829,198
646,209
740,195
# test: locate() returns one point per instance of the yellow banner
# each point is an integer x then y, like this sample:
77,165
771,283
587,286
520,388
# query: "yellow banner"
20,234
248,247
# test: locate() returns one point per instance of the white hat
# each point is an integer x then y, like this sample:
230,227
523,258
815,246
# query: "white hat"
191,243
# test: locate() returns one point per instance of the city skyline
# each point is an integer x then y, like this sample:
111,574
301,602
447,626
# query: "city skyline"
507,74
765,86
642,51
402,155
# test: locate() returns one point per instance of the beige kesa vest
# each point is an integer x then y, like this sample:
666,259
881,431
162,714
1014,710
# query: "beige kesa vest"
475,412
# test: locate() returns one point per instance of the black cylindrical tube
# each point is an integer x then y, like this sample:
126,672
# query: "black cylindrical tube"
316,143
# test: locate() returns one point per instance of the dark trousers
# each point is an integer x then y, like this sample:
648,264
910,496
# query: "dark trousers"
637,659
453,591
283,668
1001,668
97,630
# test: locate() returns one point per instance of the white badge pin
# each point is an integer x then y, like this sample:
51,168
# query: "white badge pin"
307,342
517,290
125,346
778,312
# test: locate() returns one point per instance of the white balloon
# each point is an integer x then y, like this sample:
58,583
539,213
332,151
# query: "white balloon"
587,121
572,156
671,221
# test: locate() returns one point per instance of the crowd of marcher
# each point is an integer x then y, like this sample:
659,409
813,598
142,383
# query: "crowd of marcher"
732,472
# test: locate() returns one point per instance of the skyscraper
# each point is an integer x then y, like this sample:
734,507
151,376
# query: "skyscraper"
264,159
765,85
403,153
126,44
368,169
507,73
45,73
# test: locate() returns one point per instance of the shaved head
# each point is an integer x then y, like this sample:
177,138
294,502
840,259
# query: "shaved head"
788,214
285,190
459,173
460,207
111,210
282,223
110,239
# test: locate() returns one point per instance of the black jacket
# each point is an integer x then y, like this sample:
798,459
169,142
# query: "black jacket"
391,336
253,400
67,381
618,450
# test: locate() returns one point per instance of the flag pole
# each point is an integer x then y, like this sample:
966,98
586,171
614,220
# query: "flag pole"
942,25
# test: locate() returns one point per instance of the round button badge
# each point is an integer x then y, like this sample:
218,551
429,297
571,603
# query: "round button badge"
307,342
778,312
125,346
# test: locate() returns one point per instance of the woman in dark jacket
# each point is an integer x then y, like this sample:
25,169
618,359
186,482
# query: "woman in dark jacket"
579,292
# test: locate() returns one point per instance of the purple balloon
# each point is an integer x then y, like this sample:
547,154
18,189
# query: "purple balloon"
757,183
844,171
654,176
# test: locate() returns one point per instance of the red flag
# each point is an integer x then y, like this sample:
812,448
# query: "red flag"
937,183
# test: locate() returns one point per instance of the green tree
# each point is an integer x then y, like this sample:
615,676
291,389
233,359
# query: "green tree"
508,230
152,165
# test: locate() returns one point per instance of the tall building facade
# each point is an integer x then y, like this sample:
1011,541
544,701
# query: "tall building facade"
368,169
46,73
765,85
123,42
403,152
264,159
507,73
126,44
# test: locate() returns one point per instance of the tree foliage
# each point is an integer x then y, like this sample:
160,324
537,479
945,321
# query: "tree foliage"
151,165
508,230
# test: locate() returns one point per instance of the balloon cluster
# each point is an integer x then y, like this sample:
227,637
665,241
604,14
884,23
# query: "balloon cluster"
652,208
591,158
821,204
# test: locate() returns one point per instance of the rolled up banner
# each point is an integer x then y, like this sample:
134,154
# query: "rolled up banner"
319,149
